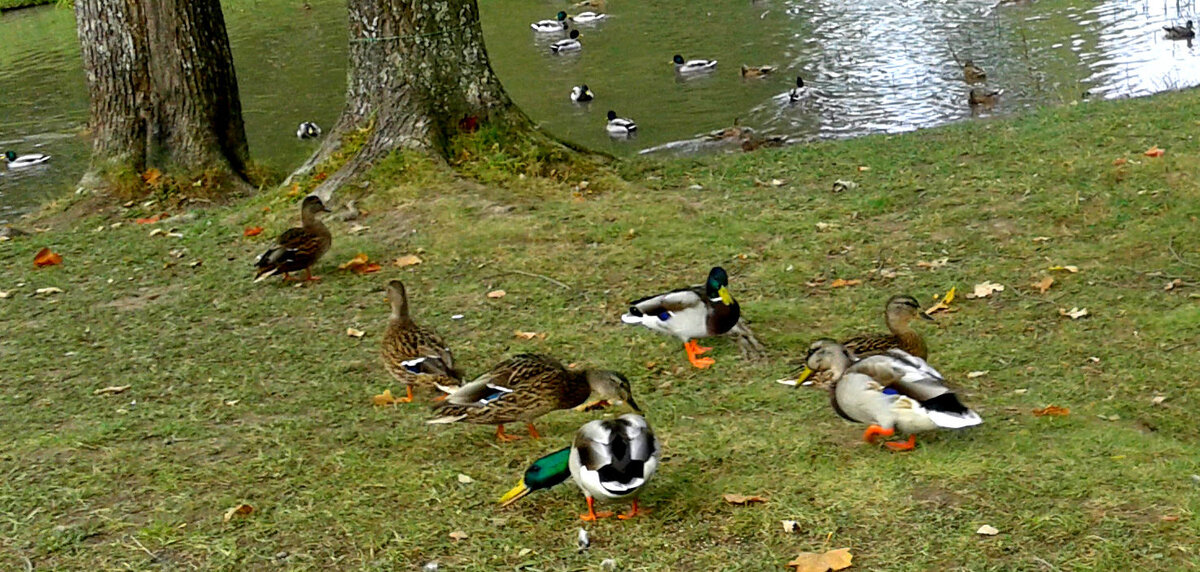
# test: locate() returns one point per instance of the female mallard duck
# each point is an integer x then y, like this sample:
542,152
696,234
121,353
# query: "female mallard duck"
890,391
799,92
610,459
308,130
588,17
898,313
525,387
757,71
569,44
582,94
593,4
407,347
690,313
1185,32
28,160
551,26
983,96
619,126
297,248
973,73
693,66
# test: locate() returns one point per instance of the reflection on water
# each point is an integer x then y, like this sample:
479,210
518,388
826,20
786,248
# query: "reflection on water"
873,66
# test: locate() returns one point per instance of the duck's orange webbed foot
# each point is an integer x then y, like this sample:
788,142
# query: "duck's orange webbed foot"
875,431
308,276
592,515
634,510
503,437
406,399
693,353
902,445
532,431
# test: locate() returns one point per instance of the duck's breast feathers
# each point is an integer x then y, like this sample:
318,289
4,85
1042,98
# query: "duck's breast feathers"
616,456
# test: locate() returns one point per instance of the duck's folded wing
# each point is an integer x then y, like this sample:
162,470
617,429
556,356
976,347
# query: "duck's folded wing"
479,393
674,301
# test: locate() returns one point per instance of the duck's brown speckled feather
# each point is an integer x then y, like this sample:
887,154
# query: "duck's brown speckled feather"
537,384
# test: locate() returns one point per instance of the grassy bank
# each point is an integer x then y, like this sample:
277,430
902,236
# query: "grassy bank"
14,4
254,393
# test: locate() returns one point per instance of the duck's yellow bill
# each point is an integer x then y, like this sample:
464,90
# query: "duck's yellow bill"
515,494
804,375
726,297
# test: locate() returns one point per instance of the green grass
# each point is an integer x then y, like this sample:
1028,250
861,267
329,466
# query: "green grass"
14,4
254,393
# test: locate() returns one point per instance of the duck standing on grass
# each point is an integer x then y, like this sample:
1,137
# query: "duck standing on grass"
891,391
27,160
525,387
297,248
898,313
693,66
409,350
610,460
690,314
569,44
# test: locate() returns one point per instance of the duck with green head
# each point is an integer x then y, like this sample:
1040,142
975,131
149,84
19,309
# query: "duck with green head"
689,314
610,460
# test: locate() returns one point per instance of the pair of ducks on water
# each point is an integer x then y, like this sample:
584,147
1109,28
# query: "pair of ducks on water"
881,380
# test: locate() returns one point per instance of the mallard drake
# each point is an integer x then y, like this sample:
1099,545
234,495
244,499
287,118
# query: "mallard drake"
799,92
409,350
610,460
890,391
757,71
693,66
569,44
897,313
27,160
588,17
308,130
297,248
1185,32
619,126
689,314
525,387
982,96
973,73
582,94
550,26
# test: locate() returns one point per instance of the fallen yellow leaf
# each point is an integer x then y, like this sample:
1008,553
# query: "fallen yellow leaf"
112,390
529,335
839,559
944,303
840,283
355,333
1068,268
407,260
239,510
494,294
1074,313
385,398
733,498
985,289
1052,411
1044,284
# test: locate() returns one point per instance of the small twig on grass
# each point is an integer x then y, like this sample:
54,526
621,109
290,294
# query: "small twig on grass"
139,544
28,564
1044,563
1171,249
532,275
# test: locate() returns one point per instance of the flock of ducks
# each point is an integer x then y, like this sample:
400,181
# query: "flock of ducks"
881,380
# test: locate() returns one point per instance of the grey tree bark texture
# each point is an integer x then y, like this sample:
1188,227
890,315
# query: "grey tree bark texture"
163,89
418,74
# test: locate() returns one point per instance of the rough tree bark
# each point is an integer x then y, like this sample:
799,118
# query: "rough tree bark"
418,74
163,90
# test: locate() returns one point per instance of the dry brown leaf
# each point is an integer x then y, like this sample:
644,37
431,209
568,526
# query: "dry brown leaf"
1069,268
1158,400
733,498
1044,284
46,257
1119,161
458,535
944,303
239,510
496,294
252,231
985,289
1052,411
529,335
988,530
407,260
360,264
840,283
1169,517
464,479
355,333
839,559
1074,313
933,264
1173,284
112,390
385,398
1154,152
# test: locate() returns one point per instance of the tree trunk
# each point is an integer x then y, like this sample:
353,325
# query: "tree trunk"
418,75
163,90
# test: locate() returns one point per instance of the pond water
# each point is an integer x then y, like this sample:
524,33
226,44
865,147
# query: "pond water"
872,66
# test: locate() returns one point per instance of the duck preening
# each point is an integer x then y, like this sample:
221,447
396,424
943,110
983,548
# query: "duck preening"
619,126
549,26
568,44
582,94
297,248
525,387
693,66
689,314
414,355
609,460
893,391
28,160
308,130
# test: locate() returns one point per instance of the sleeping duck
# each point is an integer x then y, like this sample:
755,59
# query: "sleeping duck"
27,160
690,314
582,94
559,24
610,460
619,126
891,391
569,44
693,66
297,248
